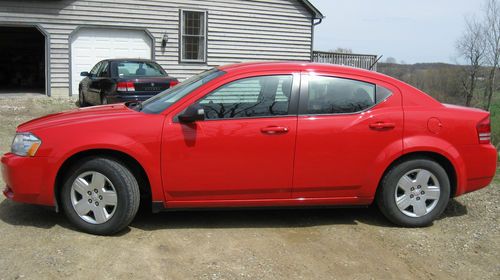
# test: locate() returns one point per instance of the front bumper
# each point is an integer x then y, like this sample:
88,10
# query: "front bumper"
27,179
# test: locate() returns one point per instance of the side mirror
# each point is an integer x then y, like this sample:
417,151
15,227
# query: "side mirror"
193,113
85,74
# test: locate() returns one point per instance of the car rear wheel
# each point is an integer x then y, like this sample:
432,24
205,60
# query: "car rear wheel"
414,193
100,196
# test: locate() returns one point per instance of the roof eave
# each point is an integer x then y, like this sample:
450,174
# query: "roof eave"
314,11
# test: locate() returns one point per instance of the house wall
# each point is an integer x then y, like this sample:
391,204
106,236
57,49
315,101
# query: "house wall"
238,30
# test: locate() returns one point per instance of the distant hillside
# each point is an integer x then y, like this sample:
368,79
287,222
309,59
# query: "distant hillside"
444,82
441,80
399,70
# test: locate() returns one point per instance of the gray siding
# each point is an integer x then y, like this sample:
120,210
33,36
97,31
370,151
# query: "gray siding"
238,30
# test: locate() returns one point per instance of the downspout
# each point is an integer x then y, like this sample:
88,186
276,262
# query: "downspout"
319,22
312,34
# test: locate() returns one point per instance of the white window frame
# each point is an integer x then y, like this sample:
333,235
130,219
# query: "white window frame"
181,36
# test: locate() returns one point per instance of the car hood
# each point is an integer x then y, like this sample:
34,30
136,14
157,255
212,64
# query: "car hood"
80,115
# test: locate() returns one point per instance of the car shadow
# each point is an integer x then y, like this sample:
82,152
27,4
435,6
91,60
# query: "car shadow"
454,209
18,214
260,218
275,218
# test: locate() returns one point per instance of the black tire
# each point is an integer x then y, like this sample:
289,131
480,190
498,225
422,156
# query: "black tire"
81,99
104,99
127,194
386,200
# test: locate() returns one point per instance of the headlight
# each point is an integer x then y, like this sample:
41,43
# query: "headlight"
25,144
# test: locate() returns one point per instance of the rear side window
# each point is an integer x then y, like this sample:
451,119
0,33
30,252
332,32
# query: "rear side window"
382,94
262,96
331,95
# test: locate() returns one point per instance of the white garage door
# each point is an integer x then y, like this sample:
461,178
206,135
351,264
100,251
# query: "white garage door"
90,45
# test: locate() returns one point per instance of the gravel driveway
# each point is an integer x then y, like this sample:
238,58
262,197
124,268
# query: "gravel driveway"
266,244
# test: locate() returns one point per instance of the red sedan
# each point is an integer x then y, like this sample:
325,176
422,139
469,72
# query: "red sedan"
255,135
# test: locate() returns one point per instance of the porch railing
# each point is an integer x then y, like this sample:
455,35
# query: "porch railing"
355,60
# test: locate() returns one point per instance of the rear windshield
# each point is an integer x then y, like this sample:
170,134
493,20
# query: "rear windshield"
139,68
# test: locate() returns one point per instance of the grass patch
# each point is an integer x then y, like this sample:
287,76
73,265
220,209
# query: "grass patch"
495,120
495,124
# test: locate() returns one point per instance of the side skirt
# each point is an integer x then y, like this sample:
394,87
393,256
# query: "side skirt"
341,202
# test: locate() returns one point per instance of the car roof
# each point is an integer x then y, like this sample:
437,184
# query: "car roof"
129,59
303,66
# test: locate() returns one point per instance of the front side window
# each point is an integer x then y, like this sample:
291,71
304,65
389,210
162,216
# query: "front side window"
96,68
193,36
104,70
330,95
263,96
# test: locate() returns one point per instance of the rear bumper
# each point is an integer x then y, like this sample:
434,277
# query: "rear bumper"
119,98
26,179
481,164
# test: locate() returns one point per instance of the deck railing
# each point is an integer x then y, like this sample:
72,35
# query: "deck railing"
355,60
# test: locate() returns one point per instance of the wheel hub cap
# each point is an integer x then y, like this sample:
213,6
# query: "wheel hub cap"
417,193
93,197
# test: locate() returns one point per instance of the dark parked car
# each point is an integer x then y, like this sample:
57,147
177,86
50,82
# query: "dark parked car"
122,80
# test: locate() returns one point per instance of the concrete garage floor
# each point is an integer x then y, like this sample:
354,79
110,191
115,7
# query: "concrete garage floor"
295,244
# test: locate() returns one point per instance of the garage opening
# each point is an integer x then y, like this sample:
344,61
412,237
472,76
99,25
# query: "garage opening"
22,60
91,45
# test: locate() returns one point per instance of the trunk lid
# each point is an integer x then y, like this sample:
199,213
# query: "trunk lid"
146,85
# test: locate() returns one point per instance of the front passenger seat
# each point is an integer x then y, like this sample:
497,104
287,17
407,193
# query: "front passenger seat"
141,71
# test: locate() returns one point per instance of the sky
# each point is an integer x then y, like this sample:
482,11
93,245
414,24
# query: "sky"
409,30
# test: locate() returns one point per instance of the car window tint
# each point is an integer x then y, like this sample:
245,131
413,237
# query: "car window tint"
262,96
139,68
330,95
382,94
104,70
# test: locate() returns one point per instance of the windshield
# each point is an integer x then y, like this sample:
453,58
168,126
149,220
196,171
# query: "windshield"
139,68
165,99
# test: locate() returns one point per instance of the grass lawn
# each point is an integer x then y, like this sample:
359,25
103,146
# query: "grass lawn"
495,120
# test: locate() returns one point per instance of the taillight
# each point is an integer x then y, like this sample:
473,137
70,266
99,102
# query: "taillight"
173,83
125,86
484,131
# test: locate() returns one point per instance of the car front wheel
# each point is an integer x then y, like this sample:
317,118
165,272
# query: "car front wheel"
104,99
81,99
414,193
100,196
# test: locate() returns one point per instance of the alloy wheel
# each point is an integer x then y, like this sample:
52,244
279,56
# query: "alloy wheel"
94,197
417,193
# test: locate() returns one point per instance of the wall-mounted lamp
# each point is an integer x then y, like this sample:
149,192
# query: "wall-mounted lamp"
164,40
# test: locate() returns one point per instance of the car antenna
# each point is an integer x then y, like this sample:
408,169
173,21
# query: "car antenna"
374,63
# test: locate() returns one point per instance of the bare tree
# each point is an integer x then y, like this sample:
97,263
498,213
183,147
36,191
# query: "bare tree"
391,60
471,46
341,50
492,37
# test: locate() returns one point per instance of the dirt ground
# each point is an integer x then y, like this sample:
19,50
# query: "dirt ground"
268,244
